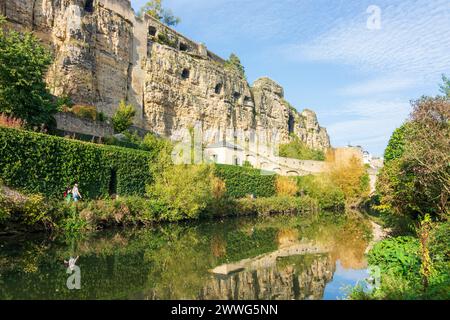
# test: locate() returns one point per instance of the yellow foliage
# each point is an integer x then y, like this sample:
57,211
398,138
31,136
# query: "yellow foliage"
349,176
218,187
286,186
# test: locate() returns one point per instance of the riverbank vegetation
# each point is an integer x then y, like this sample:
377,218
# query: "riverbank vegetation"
152,189
413,200
297,149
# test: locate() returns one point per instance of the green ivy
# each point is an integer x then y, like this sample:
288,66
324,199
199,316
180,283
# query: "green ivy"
243,181
39,163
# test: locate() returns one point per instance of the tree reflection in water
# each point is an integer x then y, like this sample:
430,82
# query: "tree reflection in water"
263,258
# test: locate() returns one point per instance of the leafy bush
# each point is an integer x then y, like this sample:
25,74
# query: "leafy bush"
286,186
297,149
351,177
123,118
241,181
397,256
86,112
323,189
183,191
46,164
277,205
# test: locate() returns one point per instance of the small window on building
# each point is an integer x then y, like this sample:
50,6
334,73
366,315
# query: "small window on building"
214,158
218,88
89,6
236,161
185,74
152,31
183,47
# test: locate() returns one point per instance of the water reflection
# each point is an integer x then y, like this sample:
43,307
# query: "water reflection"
270,258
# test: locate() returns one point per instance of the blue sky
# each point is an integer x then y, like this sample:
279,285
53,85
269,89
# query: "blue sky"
358,80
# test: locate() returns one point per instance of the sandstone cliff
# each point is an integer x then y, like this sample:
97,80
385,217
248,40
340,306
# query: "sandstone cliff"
104,53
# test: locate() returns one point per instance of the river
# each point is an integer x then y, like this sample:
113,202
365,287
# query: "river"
271,258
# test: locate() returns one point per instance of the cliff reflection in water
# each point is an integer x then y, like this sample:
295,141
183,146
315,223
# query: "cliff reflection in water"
270,258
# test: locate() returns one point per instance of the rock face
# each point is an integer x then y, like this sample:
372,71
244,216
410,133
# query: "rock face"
299,282
103,54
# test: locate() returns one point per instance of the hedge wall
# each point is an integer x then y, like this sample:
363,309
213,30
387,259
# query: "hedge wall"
241,181
40,163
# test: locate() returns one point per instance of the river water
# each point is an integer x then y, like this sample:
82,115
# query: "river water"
271,258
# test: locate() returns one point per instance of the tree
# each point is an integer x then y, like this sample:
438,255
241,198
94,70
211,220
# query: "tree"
182,191
123,118
234,62
155,9
417,181
350,176
23,65
445,86
396,145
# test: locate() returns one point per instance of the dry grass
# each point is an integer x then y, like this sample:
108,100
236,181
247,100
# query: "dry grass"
286,186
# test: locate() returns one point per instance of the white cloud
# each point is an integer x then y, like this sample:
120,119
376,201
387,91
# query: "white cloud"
377,86
370,123
413,41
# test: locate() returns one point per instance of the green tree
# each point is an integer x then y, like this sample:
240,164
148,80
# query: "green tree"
123,118
182,191
155,9
416,179
234,63
396,145
445,86
23,65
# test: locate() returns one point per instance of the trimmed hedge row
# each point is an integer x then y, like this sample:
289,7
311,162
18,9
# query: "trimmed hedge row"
241,181
40,163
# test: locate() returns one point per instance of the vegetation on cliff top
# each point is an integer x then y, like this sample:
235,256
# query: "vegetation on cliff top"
155,8
297,149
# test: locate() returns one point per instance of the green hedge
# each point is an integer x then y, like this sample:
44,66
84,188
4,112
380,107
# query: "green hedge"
241,181
40,163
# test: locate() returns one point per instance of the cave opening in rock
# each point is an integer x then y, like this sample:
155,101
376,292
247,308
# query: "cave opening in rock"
152,31
291,123
183,47
236,95
89,6
185,74
218,88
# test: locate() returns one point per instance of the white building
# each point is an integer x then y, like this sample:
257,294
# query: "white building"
264,159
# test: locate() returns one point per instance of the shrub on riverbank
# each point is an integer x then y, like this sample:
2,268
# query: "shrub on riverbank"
39,163
400,260
277,205
241,181
329,196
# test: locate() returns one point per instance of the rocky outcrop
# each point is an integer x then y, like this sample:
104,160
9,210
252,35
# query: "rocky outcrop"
103,54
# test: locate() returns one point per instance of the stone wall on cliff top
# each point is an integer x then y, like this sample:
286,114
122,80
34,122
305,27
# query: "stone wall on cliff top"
104,53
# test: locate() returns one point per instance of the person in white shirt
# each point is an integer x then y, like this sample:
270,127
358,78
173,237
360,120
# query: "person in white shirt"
76,193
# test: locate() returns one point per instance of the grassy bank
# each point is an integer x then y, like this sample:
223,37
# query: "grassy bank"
20,212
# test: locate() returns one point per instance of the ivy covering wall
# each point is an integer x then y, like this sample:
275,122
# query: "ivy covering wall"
40,163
